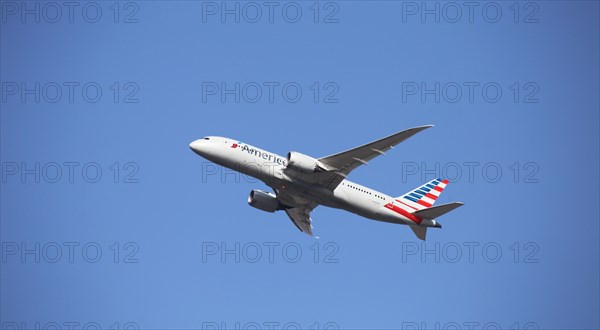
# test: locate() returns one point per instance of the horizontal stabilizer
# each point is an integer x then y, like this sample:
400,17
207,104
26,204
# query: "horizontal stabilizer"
436,211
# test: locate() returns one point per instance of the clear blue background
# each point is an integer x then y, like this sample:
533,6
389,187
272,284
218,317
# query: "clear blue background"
171,211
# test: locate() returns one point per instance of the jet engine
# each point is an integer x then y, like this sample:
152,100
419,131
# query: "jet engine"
263,200
303,163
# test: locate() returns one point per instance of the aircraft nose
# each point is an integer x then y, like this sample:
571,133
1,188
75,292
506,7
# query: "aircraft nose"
201,147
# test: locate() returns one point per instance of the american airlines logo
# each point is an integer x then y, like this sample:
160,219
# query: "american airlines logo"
261,154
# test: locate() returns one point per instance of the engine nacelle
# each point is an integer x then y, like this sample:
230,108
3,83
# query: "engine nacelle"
303,163
263,200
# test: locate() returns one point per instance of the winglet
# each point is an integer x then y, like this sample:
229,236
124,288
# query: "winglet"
425,126
418,129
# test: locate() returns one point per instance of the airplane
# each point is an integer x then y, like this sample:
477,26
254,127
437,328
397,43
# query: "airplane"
300,183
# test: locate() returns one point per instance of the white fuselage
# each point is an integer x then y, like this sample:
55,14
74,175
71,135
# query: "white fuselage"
271,169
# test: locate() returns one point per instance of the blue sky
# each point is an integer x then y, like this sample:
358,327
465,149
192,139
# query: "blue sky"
132,230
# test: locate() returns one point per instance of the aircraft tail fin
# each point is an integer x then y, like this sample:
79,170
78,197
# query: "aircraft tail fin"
425,195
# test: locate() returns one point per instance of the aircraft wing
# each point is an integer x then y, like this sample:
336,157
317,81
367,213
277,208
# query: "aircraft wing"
298,210
300,216
346,161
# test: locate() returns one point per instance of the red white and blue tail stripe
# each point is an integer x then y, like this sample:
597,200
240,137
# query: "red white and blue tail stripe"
424,196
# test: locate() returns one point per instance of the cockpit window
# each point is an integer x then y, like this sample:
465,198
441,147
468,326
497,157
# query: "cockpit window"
206,138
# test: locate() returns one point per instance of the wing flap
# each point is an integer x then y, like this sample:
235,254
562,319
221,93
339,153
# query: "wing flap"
300,216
